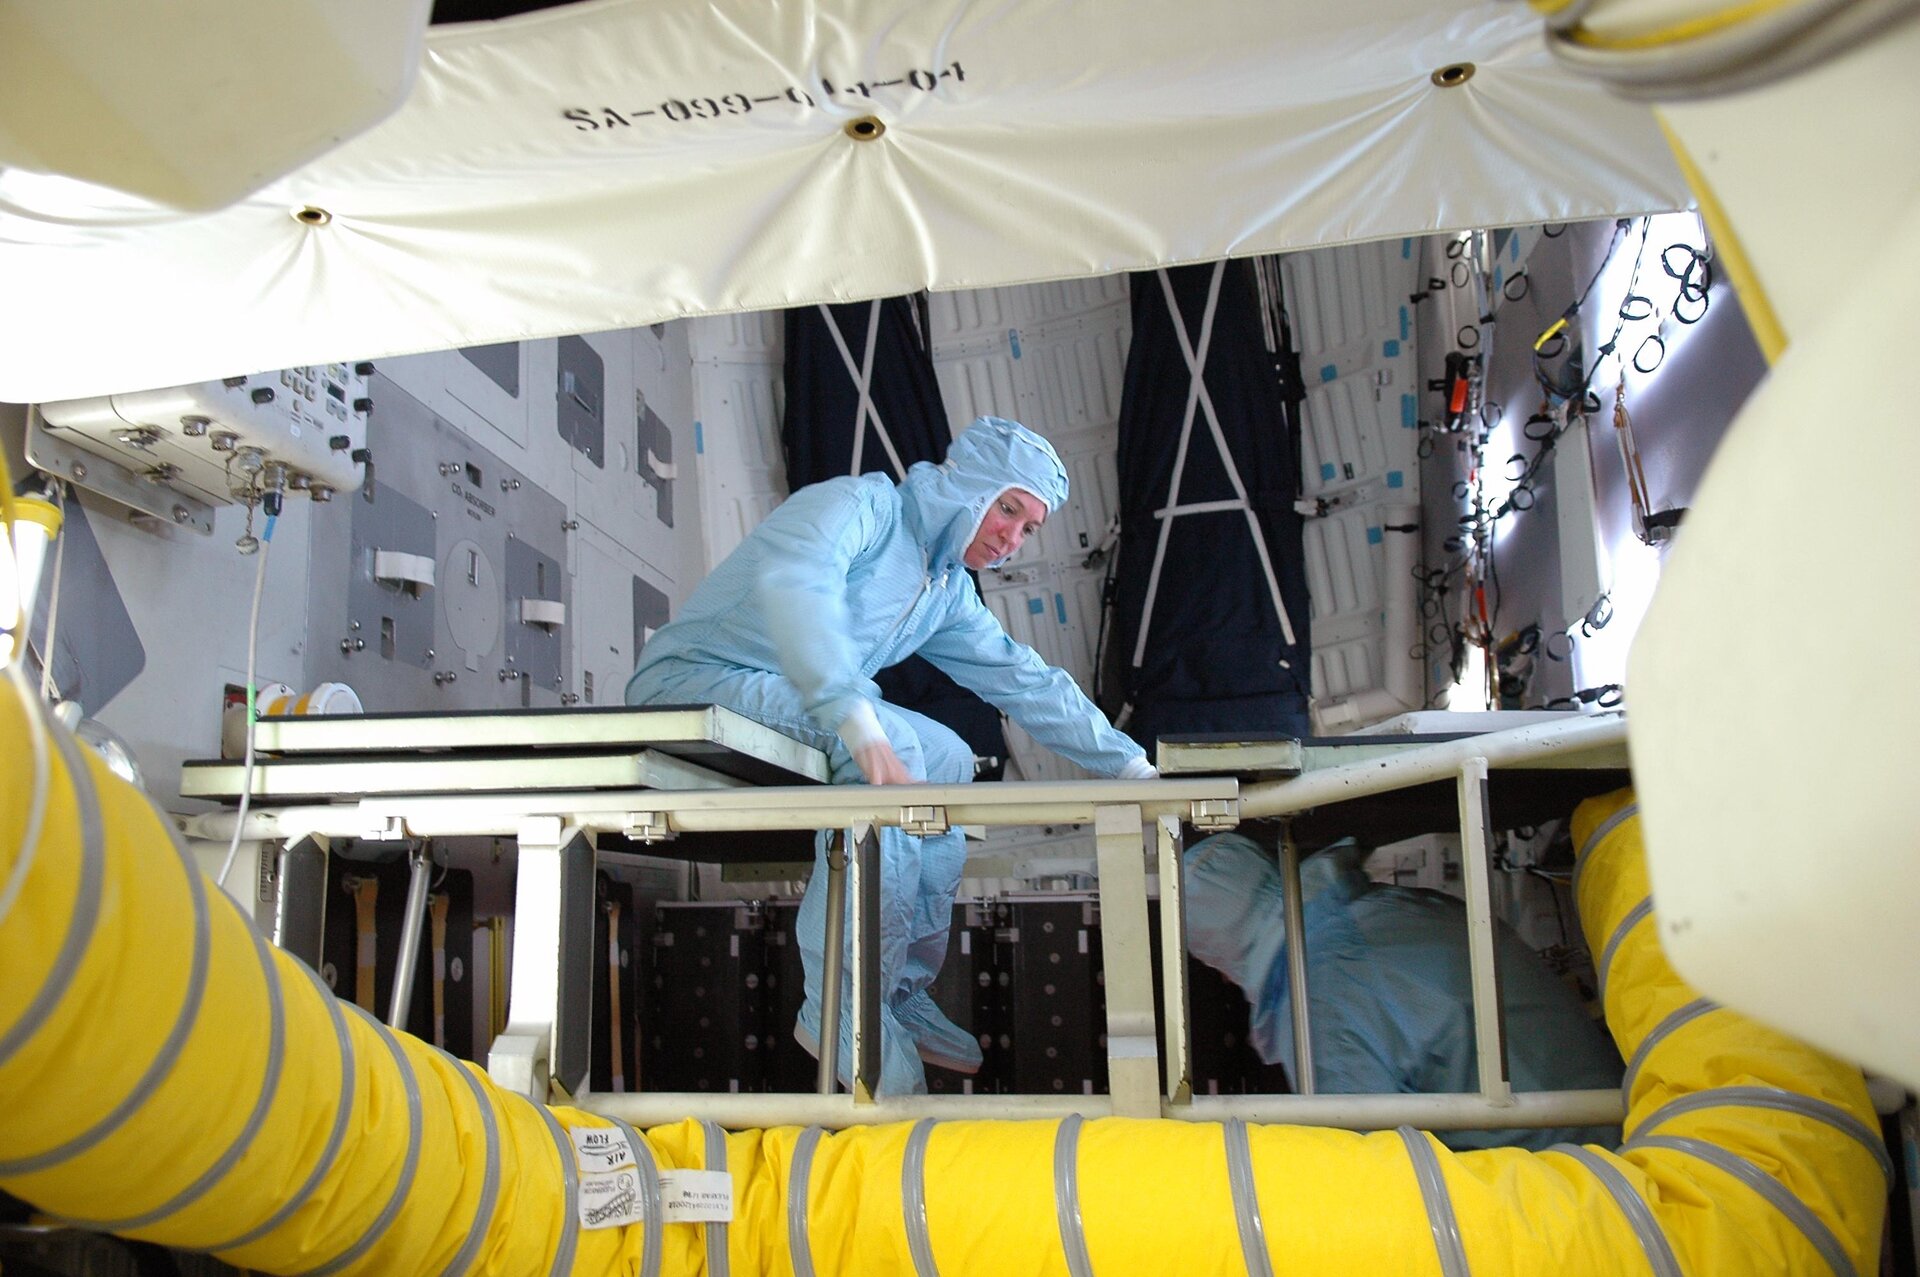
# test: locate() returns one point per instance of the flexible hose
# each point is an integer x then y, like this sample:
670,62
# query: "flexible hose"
172,1077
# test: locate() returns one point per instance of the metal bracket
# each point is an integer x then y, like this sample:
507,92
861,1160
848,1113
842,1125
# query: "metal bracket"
923,821
647,826
387,829
1215,814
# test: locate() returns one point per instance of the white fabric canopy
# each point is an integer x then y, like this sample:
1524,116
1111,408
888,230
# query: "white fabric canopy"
706,169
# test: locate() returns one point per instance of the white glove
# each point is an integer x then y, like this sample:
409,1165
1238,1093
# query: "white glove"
1139,769
872,751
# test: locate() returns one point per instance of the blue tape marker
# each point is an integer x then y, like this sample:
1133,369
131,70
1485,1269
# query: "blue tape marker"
1390,348
1406,249
1513,247
1060,606
1499,278
1374,537
1409,413
1328,372
1326,470
1405,322
1395,479
699,438
1035,606
1013,341
266,533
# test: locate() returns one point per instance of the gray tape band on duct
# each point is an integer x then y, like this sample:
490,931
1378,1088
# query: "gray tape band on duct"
409,1166
1652,1240
1766,1097
716,1232
570,1176
1433,1191
799,1182
1606,827
1675,1019
1246,1202
169,1053
1817,1233
335,1137
1066,1195
650,1209
913,1198
1635,916
243,1141
86,903
490,1182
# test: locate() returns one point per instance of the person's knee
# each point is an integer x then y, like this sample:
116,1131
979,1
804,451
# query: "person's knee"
949,760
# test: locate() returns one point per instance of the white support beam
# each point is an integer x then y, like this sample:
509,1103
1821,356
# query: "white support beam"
522,1054
1446,1112
1489,1012
1133,1055
1519,746
1173,963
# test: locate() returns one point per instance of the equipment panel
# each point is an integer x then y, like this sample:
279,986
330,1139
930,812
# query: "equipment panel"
456,592
207,441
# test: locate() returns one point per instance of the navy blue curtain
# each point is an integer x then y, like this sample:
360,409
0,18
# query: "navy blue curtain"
1216,658
823,435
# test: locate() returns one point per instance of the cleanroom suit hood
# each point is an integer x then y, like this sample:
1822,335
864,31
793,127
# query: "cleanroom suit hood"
946,503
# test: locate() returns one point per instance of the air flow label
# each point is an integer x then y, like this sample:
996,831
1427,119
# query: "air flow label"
600,1149
697,1197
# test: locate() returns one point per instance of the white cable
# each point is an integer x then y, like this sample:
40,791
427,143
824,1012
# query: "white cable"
37,810
47,688
246,771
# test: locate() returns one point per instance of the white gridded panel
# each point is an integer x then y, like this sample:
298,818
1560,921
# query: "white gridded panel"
1353,324
1341,443
754,337
978,385
967,318
1078,373
1093,487
1072,298
1339,296
1082,590
1344,560
738,393
1340,669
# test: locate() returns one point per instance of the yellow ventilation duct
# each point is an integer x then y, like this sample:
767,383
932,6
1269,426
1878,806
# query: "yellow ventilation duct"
170,1077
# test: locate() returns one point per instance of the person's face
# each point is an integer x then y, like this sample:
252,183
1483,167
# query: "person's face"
1015,515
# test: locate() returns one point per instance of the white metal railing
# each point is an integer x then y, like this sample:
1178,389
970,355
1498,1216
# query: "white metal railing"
546,1038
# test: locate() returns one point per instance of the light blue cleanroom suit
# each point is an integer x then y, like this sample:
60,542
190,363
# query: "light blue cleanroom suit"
843,579
1388,985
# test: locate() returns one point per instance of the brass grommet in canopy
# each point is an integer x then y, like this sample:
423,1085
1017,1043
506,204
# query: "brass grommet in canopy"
1453,75
311,216
865,129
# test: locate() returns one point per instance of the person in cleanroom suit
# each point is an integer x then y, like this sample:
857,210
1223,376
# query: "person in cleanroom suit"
843,579
1388,986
